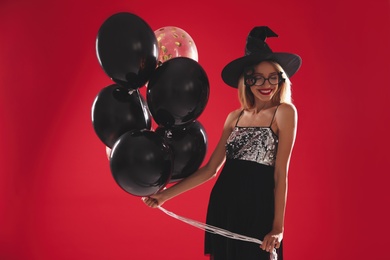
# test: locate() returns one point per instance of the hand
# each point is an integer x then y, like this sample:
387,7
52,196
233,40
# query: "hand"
154,201
272,240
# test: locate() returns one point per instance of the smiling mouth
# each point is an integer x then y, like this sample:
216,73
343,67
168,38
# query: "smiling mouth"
265,91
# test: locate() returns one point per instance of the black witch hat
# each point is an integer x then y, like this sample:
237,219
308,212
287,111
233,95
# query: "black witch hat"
256,51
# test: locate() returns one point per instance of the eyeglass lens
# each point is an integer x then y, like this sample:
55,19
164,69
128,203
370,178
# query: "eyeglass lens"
260,80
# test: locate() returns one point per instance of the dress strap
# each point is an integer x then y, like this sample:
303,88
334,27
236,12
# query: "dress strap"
274,115
239,116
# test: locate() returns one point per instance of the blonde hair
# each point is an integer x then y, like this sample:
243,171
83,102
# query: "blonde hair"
282,95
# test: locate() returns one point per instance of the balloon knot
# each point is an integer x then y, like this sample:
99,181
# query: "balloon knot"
168,133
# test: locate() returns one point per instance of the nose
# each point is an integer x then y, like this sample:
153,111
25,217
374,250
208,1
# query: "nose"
266,83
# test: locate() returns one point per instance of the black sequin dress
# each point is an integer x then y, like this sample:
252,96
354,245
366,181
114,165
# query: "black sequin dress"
242,199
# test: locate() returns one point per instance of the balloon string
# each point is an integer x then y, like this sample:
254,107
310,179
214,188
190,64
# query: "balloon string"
218,231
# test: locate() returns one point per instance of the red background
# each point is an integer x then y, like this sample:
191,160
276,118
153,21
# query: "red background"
58,199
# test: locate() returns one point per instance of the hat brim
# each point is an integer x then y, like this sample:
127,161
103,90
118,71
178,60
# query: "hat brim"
232,71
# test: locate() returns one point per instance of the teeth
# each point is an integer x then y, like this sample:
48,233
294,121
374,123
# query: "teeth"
265,91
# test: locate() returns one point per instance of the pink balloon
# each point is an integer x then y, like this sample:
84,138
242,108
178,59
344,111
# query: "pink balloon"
175,42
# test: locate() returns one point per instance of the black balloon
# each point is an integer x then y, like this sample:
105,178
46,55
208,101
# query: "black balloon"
115,112
127,49
177,92
188,145
141,162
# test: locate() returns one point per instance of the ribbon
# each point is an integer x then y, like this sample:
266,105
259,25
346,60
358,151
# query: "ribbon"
218,231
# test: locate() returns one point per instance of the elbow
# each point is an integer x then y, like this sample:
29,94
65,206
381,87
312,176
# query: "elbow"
280,180
211,172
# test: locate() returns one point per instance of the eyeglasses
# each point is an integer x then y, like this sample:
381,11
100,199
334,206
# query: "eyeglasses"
258,80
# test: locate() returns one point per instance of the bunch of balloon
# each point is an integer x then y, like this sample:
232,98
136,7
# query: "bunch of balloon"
140,160
177,94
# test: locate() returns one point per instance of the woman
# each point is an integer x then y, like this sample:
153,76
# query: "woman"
249,197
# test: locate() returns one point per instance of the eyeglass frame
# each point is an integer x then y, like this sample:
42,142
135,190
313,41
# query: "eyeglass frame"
250,76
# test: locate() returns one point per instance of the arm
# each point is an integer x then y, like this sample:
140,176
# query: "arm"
203,174
286,121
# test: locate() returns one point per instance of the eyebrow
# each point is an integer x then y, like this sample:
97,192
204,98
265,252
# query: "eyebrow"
262,74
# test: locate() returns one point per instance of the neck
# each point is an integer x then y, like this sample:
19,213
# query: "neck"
261,106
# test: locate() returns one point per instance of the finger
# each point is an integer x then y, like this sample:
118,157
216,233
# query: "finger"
149,201
154,205
268,244
264,244
154,202
145,199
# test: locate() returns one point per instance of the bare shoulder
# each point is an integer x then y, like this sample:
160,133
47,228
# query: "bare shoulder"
286,117
287,110
234,114
232,118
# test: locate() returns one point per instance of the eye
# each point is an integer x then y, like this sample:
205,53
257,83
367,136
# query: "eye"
250,81
259,78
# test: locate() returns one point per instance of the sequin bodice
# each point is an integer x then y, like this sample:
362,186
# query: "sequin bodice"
257,144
